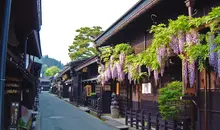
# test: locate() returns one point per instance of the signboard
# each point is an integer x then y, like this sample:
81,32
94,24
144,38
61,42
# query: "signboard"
12,128
89,90
12,91
14,113
84,69
98,89
12,85
107,88
146,88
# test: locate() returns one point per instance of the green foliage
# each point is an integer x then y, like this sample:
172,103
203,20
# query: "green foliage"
44,68
106,52
46,62
169,100
181,23
21,123
197,51
83,46
217,39
214,14
51,71
123,48
162,35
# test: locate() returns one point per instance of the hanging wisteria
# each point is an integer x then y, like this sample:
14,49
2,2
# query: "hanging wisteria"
156,76
188,38
106,76
121,76
103,83
213,57
182,40
119,69
149,71
219,63
185,71
179,38
114,72
195,37
191,69
108,72
174,44
111,59
99,78
111,64
159,58
162,69
192,37
129,73
122,58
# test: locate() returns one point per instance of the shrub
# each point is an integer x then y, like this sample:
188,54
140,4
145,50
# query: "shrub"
169,100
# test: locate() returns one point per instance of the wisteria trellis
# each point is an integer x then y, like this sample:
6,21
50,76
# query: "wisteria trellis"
176,39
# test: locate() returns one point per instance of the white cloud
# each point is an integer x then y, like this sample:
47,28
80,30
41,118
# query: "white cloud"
62,17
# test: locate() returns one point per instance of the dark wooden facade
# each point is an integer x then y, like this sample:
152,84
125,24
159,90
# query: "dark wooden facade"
136,33
65,80
88,90
133,28
22,73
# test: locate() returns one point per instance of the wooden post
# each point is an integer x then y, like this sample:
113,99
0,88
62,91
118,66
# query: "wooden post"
205,105
174,125
142,120
165,125
183,78
157,121
189,5
126,116
149,121
137,119
131,120
186,124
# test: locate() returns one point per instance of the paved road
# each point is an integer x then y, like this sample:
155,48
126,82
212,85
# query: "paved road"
56,114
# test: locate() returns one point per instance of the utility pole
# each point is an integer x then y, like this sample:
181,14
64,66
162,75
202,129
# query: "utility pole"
3,54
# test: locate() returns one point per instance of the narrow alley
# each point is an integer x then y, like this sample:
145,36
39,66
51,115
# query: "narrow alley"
56,114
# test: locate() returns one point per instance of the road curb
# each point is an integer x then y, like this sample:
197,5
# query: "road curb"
38,122
94,114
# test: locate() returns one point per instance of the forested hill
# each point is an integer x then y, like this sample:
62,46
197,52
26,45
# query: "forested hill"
51,62
47,62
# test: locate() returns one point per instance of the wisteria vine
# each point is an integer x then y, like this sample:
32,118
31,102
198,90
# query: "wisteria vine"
181,37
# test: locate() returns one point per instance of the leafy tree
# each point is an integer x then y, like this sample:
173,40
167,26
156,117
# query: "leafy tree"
52,71
83,46
44,68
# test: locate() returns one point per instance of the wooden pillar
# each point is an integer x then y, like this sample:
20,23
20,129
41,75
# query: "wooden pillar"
189,5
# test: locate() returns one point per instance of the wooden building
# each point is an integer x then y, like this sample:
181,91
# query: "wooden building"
45,84
64,80
133,28
22,72
89,90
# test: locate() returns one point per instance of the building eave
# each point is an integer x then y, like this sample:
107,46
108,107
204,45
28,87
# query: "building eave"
138,9
86,63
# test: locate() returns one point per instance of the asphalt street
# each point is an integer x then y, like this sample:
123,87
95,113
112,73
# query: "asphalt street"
56,114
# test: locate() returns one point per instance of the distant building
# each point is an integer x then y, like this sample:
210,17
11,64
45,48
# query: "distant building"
45,84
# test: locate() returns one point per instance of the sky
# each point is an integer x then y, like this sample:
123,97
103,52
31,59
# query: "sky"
62,17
